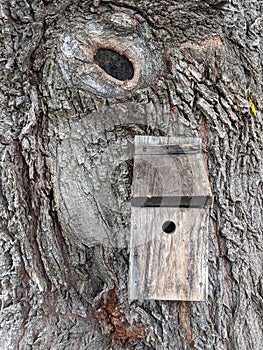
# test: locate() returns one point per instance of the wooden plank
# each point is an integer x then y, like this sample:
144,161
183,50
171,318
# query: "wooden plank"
166,140
170,184
172,201
167,149
168,266
170,179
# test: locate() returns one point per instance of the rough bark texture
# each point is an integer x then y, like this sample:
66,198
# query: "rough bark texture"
66,168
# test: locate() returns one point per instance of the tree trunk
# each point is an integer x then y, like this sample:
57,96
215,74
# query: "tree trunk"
67,131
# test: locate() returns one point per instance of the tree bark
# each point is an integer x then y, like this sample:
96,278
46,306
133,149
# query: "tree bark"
67,132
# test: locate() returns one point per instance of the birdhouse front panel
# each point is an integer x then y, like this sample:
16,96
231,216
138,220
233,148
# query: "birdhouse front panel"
168,254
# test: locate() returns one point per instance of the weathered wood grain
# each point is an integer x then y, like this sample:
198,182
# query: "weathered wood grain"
168,266
166,144
174,178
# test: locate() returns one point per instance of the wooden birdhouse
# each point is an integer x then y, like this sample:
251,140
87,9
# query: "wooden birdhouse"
170,197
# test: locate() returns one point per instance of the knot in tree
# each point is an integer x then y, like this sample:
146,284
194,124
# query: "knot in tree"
114,64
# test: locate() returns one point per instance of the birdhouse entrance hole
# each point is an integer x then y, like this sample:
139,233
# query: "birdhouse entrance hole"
168,227
116,65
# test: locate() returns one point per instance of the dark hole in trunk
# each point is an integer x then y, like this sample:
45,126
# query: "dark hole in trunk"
116,65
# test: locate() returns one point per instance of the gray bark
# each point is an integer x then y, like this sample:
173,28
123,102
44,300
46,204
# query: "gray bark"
66,168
